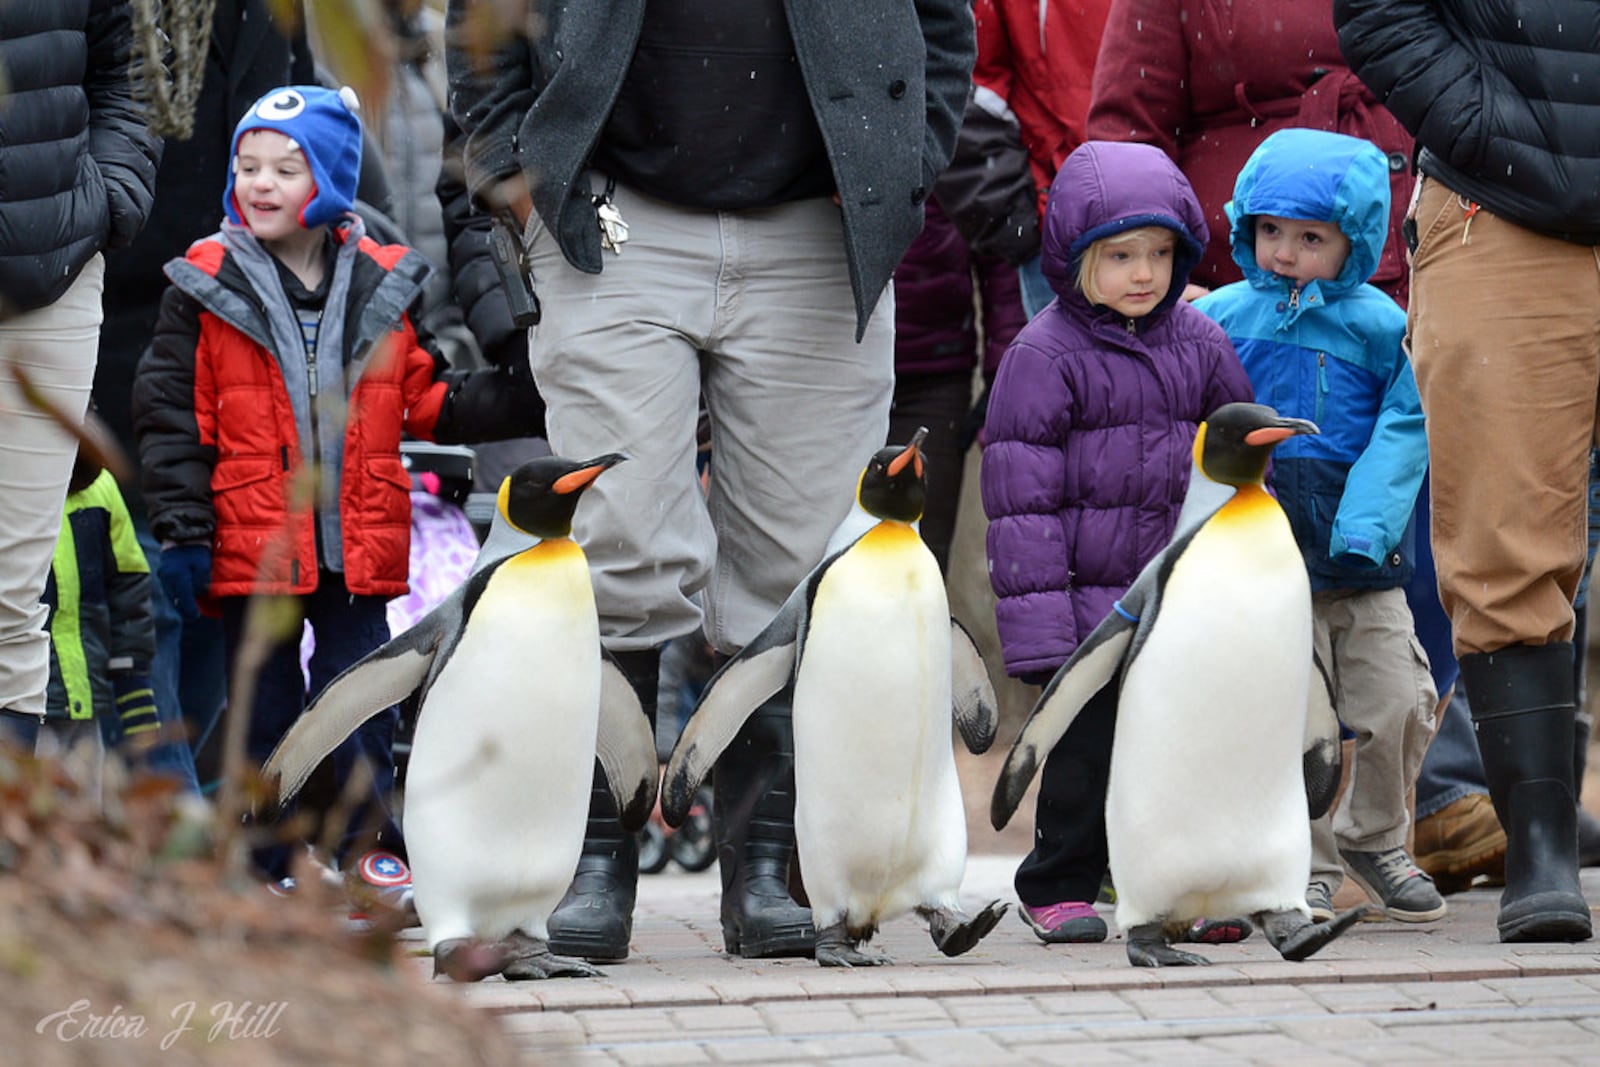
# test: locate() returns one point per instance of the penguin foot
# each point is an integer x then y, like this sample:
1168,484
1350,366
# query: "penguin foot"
955,932
463,959
1218,931
836,948
529,958
1297,938
1148,947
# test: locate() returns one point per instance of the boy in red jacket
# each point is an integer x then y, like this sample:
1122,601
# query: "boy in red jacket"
269,411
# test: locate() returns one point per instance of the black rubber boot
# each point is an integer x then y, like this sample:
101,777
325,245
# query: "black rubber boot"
594,921
1523,710
752,813
1588,825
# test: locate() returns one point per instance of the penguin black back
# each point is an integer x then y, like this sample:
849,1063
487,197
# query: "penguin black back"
894,485
540,496
1236,440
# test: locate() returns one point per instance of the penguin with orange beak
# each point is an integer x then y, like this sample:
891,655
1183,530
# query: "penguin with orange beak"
1221,744
515,700
879,668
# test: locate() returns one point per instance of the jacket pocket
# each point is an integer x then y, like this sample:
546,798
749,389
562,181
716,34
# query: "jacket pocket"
236,473
390,499
251,509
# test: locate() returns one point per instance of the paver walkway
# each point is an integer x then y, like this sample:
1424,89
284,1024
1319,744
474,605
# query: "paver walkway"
1387,992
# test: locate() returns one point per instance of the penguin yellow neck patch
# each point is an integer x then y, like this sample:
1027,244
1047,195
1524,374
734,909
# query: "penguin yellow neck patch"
890,533
1249,503
553,550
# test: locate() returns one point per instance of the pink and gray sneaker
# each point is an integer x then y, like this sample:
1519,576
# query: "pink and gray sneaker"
1069,922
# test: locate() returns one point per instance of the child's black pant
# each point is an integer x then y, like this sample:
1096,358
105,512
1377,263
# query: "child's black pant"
1069,856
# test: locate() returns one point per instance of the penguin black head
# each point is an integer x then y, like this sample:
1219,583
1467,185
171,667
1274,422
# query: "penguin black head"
540,496
1234,442
894,485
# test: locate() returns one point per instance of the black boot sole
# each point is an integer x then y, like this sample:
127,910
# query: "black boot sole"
1545,917
601,946
782,940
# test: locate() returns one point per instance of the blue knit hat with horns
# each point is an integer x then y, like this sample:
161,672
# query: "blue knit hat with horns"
322,124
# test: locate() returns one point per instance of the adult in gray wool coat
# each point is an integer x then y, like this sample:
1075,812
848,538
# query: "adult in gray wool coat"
770,160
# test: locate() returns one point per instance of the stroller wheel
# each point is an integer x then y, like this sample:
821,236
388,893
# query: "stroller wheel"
653,853
693,847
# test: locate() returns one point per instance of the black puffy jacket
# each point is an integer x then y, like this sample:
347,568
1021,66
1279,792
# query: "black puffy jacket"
1503,98
79,167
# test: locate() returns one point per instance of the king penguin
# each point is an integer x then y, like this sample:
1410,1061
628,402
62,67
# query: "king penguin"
1207,801
879,667
515,700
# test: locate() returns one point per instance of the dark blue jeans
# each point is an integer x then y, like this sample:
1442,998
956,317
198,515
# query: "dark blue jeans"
345,627
172,755
20,731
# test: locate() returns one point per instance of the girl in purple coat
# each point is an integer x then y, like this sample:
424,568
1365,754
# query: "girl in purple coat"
1090,429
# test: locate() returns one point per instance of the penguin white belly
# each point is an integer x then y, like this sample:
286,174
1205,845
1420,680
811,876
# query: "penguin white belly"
1205,808
879,821
498,788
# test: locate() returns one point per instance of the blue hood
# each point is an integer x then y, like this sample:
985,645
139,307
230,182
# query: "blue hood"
1323,177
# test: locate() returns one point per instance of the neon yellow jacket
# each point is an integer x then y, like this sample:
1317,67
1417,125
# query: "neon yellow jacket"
101,624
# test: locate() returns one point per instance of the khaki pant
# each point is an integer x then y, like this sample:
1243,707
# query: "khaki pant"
1504,331
1382,691
56,346
755,309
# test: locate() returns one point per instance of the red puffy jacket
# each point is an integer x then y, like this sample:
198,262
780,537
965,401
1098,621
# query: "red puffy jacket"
221,453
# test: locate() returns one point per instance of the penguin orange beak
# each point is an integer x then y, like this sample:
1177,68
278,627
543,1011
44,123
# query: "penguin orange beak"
912,454
1285,429
580,478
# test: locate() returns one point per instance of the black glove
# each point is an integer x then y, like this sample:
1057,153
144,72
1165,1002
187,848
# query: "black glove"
186,576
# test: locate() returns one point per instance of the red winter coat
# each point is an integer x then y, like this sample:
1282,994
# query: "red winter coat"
1206,81
1039,56
218,435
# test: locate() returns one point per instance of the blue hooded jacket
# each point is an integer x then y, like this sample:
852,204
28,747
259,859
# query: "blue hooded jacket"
1330,351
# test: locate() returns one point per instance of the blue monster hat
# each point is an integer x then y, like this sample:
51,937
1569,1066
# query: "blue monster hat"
323,126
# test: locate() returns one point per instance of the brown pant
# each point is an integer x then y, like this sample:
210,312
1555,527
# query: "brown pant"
1382,691
1504,333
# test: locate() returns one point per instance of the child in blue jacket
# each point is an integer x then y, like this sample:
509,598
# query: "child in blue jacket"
1309,215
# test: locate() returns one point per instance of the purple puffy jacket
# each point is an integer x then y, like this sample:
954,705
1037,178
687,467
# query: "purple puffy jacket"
1092,419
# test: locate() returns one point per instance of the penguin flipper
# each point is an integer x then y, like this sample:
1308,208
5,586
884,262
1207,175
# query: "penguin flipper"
1322,758
976,710
1093,665
626,745
385,676
741,686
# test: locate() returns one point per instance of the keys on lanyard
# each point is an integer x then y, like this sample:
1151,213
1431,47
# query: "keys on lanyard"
613,231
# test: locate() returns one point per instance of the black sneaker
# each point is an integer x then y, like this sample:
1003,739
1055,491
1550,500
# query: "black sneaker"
1393,879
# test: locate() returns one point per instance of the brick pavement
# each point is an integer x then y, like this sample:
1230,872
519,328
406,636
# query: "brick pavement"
1387,992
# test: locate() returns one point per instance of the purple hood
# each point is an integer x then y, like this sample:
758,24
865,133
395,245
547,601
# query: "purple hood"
1086,204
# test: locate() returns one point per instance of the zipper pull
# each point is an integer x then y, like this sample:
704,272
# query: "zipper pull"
1132,326
1294,297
